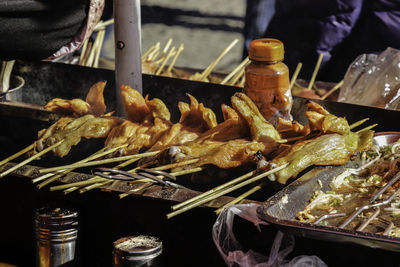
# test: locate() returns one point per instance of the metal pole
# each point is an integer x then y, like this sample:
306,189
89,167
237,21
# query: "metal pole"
128,64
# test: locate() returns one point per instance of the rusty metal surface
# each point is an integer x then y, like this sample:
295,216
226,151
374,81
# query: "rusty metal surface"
154,191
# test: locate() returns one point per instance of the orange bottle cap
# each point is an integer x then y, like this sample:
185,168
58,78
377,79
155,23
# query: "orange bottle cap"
266,49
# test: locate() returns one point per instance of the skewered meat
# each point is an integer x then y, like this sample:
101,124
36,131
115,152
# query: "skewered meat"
77,107
44,135
71,130
94,103
320,119
261,130
225,155
328,149
233,127
95,99
135,105
95,127
226,145
287,128
195,120
149,120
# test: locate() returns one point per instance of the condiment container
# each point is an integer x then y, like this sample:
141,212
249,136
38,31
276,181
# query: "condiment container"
56,235
267,79
134,251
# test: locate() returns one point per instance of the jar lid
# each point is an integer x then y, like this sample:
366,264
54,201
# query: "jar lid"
266,49
56,217
138,245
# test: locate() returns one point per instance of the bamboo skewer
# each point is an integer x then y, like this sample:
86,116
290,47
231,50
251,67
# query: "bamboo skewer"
166,47
237,77
220,187
47,175
102,24
16,155
93,179
224,191
98,48
188,171
242,81
169,55
154,53
240,198
69,190
178,52
87,53
175,165
23,163
62,172
208,70
314,75
358,123
80,183
179,173
367,128
337,86
93,186
143,186
295,74
83,52
98,42
242,65
211,191
145,54
99,162
96,155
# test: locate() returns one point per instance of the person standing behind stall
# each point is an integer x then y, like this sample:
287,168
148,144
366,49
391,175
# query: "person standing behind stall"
341,30
45,29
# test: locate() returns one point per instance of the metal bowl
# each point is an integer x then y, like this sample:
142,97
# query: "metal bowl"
386,138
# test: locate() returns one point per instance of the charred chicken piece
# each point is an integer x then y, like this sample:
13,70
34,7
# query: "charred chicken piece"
195,120
94,103
72,130
135,105
225,155
328,149
149,120
287,128
261,130
321,120
233,127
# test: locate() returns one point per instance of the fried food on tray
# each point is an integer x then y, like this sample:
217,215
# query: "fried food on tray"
72,130
135,105
233,127
94,103
86,120
288,128
195,120
147,121
261,130
328,149
320,119
228,154
95,99
232,142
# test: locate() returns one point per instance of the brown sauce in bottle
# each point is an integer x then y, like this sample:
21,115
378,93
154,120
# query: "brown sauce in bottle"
267,79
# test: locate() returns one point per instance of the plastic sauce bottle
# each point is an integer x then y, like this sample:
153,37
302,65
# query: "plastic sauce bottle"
267,79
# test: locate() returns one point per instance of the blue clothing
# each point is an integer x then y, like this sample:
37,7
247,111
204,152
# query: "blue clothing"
340,29
258,15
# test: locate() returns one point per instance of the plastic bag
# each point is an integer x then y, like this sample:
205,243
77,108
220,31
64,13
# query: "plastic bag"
373,80
233,254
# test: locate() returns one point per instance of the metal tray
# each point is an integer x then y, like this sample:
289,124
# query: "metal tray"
280,210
